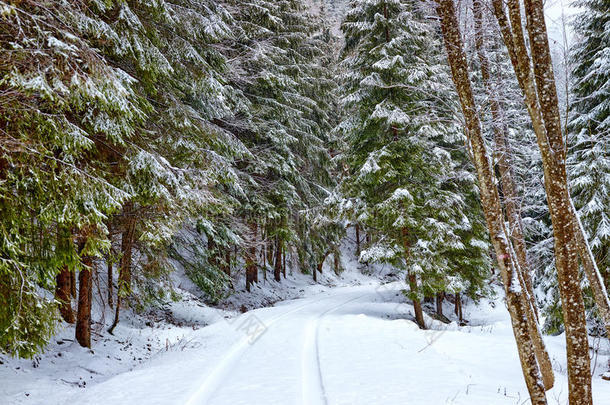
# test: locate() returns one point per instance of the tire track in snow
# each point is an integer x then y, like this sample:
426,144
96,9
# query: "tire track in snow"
313,391
214,379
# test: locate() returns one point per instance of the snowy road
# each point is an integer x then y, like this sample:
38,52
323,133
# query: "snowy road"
282,365
351,345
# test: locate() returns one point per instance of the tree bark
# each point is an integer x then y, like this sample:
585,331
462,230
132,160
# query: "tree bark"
284,261
73,284
320,265
419,313
336,260
83,317
251,270
439,303
458,308
503,156
277,269
63,294
110,282
357,240
490,200
538,86
127,241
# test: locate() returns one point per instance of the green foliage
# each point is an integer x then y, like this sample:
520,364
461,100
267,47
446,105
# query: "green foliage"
407,184
27,321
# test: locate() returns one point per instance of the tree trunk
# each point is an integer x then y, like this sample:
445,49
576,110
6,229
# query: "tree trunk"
127,241
320,265
73,284
270,253
251,270
503,156
284,261
337,262
110,284
357,240
83,317
458,308
419,313
538,86
490,200
439,303
62,294
277,269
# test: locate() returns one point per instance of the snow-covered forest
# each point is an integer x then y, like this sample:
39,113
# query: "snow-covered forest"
315,202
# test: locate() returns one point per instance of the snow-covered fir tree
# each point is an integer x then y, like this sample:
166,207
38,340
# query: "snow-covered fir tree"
406,185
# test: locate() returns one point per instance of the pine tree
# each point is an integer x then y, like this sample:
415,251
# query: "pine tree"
406,181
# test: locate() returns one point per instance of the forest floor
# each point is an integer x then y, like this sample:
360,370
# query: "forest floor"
344,345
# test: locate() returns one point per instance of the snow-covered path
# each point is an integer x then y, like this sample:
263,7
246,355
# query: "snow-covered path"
282,366
350,345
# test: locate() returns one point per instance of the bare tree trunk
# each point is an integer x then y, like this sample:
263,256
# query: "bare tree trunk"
251,270
358,240
284,261
337,261
458,308
490,200
83,317
511,198
110,283
264,252
270,253
277,269
503,155
419,313
62,294
538,86
127,241
73,284
320,265
440,296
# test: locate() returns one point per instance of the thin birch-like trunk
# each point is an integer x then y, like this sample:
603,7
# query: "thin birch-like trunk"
490,199
511,197
536,79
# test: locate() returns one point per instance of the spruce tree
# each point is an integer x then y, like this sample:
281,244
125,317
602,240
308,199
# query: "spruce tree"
406,181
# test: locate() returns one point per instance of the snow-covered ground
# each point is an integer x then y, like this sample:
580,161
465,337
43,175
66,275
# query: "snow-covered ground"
343,345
